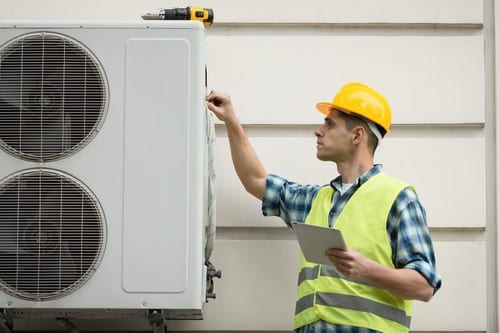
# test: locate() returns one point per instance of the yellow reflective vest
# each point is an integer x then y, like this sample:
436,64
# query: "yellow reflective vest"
324,293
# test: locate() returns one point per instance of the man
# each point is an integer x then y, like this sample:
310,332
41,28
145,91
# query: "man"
390,258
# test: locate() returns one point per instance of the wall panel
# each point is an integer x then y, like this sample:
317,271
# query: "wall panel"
451,185
345,11
448,173
261,11
277,79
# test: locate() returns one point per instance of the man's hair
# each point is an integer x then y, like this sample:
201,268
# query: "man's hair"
353,121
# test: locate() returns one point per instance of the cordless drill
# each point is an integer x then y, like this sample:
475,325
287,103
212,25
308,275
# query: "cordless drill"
204,15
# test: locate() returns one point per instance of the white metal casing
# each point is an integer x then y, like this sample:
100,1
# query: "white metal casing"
146,166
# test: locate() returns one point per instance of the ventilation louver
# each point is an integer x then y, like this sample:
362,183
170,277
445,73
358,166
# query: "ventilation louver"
53,96
51,234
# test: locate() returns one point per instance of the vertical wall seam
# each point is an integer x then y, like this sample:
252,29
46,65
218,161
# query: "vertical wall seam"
492,156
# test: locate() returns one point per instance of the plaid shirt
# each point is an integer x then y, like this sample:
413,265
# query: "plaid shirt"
406,226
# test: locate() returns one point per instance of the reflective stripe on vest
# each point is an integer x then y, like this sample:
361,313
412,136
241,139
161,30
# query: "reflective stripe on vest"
354,303
345,301
326,294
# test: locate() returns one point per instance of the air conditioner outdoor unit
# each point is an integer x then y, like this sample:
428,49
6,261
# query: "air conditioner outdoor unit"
103,167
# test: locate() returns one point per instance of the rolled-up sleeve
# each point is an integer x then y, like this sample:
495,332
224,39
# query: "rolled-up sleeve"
288,200
271,198
411,240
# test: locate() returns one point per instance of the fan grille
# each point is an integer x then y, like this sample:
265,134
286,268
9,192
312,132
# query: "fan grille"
53,96
51,234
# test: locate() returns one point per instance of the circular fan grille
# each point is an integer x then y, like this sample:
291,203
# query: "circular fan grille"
51,234
53,96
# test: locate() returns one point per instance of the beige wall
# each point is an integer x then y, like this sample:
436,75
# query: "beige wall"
433,59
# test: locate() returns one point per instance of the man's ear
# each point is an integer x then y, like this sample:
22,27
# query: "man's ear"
358,133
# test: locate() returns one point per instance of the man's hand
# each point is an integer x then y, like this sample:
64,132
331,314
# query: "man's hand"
348,262
220,104
245,160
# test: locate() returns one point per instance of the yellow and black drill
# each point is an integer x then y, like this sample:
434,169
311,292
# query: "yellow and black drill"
204,15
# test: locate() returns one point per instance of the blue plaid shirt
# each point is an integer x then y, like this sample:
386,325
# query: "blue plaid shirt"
406,226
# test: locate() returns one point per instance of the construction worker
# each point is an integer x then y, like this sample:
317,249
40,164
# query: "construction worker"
390,258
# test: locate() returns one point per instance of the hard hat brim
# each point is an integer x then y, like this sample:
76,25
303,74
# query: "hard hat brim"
324,107
327,107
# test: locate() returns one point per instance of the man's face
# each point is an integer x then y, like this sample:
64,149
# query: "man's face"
333,139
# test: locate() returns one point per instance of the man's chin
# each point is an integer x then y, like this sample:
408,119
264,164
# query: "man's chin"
320,157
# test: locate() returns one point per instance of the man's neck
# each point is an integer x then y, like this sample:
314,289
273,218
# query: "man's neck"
351,171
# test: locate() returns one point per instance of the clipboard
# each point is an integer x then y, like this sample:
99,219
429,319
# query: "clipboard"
314,240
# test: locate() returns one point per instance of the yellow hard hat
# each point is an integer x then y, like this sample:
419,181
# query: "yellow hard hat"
359,99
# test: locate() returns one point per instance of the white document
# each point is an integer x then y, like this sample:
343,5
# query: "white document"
314,240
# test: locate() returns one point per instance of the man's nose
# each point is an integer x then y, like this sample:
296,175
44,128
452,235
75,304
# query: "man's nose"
318,132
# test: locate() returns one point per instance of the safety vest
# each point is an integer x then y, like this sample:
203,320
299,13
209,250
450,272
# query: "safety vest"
326,294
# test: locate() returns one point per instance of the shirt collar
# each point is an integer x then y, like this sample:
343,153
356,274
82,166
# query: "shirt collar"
376,169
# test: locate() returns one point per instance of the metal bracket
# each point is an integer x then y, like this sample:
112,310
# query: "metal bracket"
6,322
156,319
66,323
212,273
